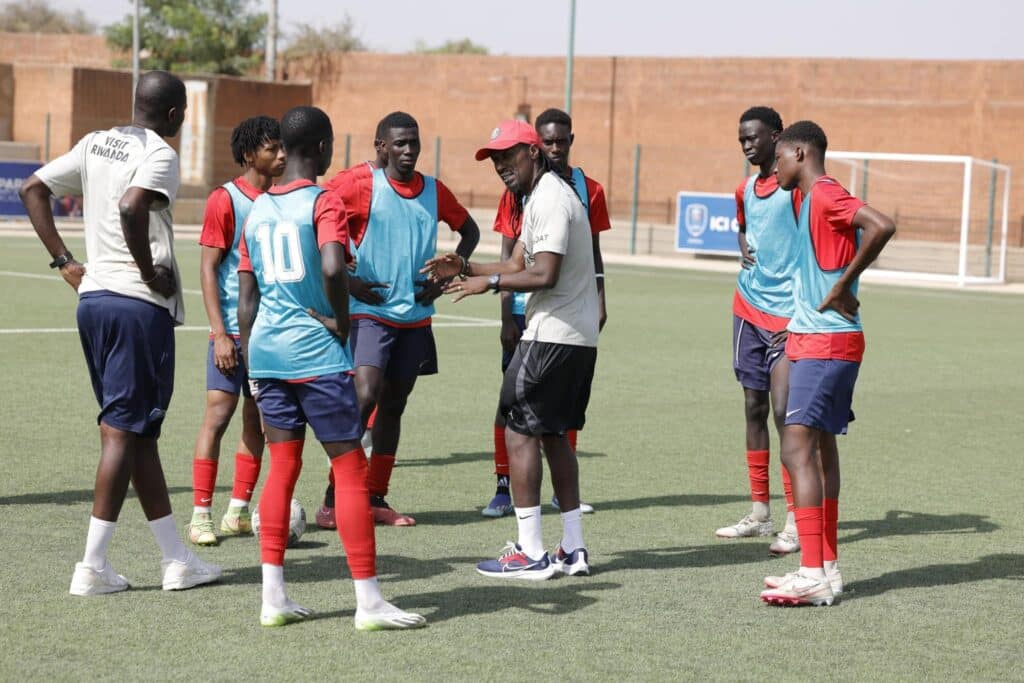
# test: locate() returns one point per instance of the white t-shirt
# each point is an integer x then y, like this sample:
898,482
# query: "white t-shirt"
555,221
101,168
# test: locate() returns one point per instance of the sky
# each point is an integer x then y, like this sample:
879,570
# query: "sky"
915,29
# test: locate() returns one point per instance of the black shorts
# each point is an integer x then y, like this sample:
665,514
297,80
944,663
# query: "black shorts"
547,387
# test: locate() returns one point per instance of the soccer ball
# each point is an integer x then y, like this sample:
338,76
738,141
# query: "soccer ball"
296,525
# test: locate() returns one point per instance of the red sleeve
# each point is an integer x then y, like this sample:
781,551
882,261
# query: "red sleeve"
505,222
330,222
835,205
218,221
244,264
797,198
599,220
449,209
741,216
354,191
833,235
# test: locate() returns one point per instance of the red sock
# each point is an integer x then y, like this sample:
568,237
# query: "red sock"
809,527
573,435
500,452
830,527
204,478
787,488
355,522
379,475
373,418
276,500
757,469
247,473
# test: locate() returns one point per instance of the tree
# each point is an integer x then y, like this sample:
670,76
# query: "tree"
195,36
452,47
309,40
36,16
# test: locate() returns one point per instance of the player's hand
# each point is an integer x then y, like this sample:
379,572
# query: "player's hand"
463,288
366,291
330,322
443,267
429,290
747,259
351,265
225,355
162,282
779,338
510,334
842,301
72,272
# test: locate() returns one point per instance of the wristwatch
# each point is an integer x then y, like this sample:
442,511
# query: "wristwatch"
62,260
493,281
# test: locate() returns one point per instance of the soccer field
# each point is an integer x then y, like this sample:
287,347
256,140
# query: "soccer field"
931,533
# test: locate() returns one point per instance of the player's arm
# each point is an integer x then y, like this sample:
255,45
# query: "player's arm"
456,216
335,274
599,275
218,221
876,230
747,259
134,208
513,275
248,305
35,195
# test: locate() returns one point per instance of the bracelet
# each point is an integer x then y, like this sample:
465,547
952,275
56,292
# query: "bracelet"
599,276
152,279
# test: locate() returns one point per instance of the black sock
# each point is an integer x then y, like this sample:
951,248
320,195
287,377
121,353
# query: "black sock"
502,489
378,501
329,496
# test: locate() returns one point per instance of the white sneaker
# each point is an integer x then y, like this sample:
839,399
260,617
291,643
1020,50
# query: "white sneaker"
799,589
748,526
88,581
289,614
585,508
785,542
387,617
180,575
835,579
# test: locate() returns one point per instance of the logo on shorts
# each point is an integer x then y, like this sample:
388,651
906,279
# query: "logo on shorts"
696,219
793,412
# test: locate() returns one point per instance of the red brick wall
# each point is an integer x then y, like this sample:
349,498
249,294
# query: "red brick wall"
50,48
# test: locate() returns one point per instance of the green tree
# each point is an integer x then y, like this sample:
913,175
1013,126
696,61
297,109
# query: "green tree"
36,16
195,36
308,40
452,47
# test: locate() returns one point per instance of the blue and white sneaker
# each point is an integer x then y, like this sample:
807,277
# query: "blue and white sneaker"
499,506
575,563
514,564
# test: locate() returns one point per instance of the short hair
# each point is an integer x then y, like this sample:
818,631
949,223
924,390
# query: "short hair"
247,136
302,128
808,133
157,92
765,115
396,119
553,116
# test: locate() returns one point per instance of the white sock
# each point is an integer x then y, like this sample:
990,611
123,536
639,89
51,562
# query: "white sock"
761,511
97,541
273,586
572,530
791,522
166,533
530,538
368,595
813,572
831,566
366,440
238,503
200,510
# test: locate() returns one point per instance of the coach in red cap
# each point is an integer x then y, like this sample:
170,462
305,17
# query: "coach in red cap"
547,383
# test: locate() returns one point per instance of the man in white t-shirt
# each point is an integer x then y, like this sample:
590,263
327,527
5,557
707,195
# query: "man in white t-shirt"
547,384
129,302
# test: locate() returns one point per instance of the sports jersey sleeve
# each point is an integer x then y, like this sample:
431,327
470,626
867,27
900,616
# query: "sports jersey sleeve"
158,173
449,209
550,220
63,175
836,207
505,221
218,221
741,216
599,220
331,224
244,264
355,193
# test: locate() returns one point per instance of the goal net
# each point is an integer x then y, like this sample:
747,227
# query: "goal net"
951,212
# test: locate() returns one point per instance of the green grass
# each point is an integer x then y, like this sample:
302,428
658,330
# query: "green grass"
930,532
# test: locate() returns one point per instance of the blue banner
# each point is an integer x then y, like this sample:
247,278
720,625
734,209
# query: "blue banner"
706,223
12,175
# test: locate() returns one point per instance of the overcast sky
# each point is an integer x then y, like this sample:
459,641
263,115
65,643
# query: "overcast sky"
923,29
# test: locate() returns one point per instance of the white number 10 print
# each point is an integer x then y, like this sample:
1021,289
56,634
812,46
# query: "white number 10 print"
280,252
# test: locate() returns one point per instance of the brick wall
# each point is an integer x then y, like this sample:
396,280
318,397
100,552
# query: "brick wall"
6,101
50,48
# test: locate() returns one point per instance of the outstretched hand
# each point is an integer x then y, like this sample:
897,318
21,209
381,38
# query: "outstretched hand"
842,301
429,290
463,288
443,267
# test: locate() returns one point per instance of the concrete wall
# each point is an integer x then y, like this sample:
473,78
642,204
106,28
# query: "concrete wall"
6,101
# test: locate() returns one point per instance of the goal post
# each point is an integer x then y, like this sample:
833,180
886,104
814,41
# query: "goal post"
951,212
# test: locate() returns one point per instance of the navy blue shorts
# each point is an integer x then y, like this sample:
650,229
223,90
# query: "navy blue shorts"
403,353
753,356
506,356
328,404
218,381
821,394
129,348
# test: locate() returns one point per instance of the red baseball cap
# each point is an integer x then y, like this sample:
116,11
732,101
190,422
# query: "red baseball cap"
509,133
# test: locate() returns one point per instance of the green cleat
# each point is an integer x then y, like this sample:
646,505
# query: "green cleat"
237,521
200,529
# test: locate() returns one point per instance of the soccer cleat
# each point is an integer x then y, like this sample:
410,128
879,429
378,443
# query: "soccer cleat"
384,514
499,506
282,616
798,589
572,564
748,526
514,564
585,508
387,617
180,575
200,529
237,521
785,542
88,581
835,580
325,518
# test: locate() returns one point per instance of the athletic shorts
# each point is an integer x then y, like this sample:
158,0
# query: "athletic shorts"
547,387
753,356
403,353
821,394
218,381
129,348
506,356
327,403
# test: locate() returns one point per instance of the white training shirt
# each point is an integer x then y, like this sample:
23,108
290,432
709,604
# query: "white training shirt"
101,168
555,221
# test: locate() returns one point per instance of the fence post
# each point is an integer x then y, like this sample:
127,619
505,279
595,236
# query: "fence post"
348,150
46,139
437,157
636,199
991,218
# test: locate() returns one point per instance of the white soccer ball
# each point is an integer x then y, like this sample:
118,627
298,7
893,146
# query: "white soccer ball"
296,525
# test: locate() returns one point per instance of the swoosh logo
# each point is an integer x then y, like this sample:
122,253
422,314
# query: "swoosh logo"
793,412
